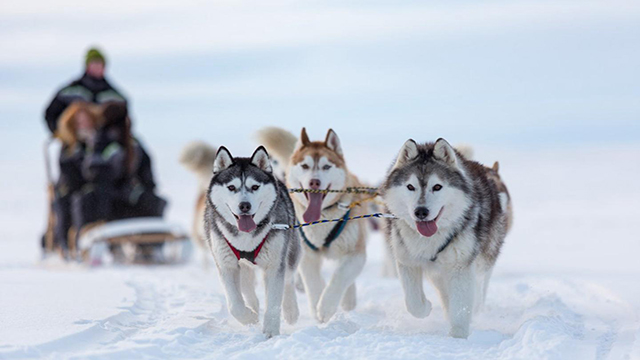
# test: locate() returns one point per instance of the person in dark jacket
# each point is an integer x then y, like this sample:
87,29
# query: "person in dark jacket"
92,87
117,171
77,131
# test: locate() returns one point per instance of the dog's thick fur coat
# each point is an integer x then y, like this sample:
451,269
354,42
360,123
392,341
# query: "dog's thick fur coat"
244,201
321,164
452,217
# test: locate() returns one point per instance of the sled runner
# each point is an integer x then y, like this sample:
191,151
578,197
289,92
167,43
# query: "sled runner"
135,240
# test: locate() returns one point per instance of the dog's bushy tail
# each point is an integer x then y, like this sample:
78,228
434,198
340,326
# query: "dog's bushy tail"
465,150
198,157
279,142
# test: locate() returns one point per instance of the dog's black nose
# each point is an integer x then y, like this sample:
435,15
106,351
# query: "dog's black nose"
421,213
314,184
245,206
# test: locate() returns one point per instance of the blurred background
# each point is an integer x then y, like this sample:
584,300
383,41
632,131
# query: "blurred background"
550,88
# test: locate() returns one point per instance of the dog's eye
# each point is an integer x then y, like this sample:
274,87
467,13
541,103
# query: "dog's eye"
326,167
437,187
304,167
255,187
411,188
231,188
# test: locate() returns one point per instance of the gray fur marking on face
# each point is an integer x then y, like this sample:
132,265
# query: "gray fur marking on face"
423,166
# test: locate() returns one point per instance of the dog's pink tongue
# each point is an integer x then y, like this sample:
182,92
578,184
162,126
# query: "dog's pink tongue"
246,223
314,209
427,228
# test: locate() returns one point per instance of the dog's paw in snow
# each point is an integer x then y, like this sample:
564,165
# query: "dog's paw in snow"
271,325
348,301
269,333
420,308
327,307
460,332
291,312
244,315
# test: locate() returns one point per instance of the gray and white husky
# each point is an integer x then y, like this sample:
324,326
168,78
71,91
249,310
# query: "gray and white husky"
452,218
244,201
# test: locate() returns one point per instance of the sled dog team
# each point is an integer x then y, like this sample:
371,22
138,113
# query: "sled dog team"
451,215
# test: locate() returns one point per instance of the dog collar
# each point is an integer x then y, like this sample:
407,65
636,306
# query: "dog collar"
247,255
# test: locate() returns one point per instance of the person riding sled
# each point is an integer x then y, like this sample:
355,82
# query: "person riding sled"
121,162
91,87
105,174
76,130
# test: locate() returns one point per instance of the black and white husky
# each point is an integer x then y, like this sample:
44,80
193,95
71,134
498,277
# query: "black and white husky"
244,201
452,219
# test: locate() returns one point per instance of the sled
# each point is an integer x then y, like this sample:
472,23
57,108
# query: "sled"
141,240
47,240
135,240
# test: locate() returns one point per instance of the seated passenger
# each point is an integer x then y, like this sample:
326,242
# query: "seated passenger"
118,173
76,130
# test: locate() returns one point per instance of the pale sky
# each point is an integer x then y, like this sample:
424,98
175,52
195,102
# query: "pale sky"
492,72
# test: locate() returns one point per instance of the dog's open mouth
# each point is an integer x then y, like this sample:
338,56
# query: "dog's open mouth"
245,223
428,228
314,209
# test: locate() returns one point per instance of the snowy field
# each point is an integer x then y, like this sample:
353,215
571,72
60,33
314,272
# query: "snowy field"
566,287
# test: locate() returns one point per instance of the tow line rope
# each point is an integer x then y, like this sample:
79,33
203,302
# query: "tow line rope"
372,191
296,226
349,190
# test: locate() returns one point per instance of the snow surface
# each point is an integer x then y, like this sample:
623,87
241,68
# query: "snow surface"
566,286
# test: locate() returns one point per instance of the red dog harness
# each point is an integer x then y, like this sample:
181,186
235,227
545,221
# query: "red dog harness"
247,255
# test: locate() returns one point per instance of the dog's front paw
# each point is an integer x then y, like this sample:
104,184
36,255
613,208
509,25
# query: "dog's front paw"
244,315
420,308
326,309
348,302
270,331
291,312
460,332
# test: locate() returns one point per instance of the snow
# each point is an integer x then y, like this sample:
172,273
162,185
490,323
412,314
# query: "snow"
566,286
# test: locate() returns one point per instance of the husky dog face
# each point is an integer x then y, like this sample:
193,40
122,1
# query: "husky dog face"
427,187
243,189
320,166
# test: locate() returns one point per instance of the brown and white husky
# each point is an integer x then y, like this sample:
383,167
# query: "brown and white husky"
320,165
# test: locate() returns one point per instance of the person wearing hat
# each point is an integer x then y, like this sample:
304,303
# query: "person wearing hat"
92,87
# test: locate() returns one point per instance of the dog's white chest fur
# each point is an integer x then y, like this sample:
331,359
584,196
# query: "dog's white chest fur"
418,250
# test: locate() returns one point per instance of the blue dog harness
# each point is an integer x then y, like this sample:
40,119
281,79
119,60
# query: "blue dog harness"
333,234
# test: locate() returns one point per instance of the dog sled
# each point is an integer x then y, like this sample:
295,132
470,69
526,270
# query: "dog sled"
150,240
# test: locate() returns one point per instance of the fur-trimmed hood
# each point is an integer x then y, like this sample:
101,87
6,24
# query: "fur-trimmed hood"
66,130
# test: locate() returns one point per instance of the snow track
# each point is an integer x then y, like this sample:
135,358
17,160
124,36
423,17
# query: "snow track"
180,312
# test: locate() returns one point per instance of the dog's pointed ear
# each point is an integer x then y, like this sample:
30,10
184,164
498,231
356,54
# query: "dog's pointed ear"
496,166
260,158
333,142
408,152
445,152
223,160
303,140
